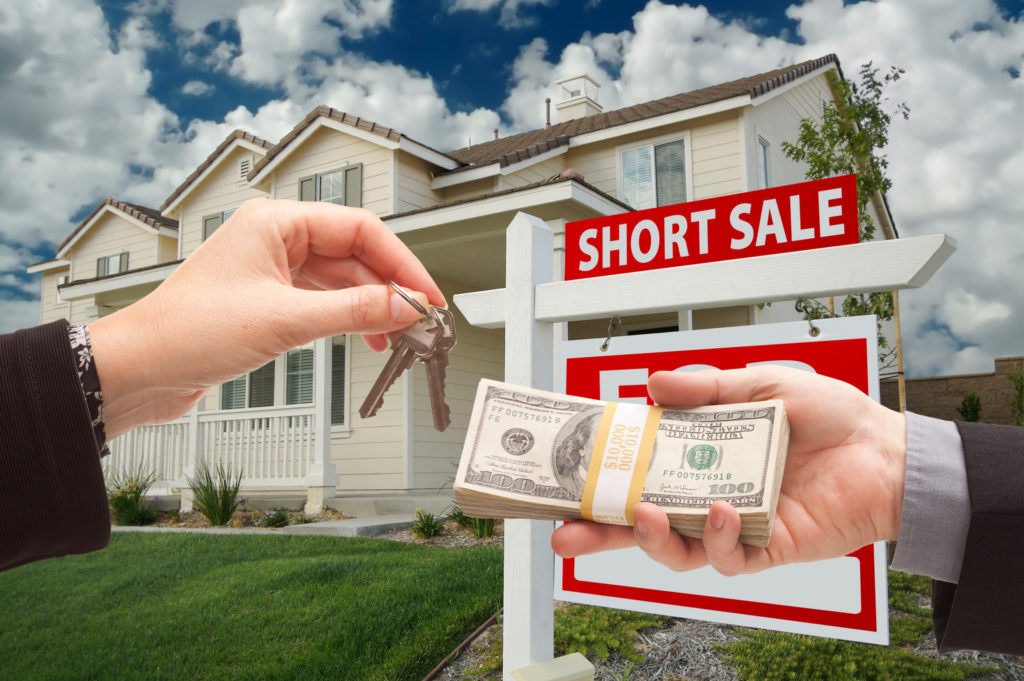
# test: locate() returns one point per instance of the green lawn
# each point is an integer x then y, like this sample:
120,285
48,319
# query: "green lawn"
201,606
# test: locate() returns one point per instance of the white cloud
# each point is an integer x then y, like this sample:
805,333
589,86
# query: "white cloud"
510,16
196,88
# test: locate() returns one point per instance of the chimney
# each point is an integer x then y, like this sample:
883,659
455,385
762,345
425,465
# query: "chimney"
577,98
495,133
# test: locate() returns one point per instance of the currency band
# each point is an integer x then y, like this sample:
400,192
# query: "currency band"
619,462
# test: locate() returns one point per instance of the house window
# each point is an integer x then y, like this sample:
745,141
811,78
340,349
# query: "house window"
654,175
343,186
212,222
338,372
61,280
255,389
299,372
112,264
764,174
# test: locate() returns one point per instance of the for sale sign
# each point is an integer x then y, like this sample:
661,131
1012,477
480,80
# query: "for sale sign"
840,598
783,219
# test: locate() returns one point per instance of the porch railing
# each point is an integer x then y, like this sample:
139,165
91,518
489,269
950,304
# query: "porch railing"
272,447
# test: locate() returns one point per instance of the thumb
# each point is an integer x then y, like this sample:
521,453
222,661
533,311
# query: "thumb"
369,309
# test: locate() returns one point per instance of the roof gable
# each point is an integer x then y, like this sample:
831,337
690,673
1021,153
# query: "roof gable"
325,116
142,217
236,139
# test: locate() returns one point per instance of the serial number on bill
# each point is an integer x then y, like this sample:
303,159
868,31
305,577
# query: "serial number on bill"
692,475
497,412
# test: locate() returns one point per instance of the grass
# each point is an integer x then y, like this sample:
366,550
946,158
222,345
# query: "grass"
200,606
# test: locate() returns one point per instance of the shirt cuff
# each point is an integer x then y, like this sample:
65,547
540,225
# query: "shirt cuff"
81,346
936,501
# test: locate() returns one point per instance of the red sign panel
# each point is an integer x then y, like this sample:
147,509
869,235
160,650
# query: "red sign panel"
793,217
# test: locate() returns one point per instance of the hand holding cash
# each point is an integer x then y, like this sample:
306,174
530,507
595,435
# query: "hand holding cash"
842,485
535,454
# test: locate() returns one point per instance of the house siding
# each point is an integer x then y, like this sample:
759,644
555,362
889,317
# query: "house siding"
480,353
109,235
49,310
222,189
414,189
328,149
538,172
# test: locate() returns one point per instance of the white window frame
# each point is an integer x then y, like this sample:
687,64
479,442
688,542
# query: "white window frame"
224,215
116,259
651,142
317,174
61,279
763,150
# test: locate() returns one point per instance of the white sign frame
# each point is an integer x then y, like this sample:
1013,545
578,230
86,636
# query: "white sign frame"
844,598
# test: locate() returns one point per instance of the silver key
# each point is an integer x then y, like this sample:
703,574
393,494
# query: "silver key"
417,337
437,362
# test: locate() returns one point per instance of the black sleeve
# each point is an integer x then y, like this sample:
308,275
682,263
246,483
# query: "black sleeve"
52,496
985,609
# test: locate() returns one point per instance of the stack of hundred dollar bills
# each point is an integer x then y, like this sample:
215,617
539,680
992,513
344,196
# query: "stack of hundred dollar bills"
528,454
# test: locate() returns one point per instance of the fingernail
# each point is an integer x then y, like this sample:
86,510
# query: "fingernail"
642,529
716,519
401,310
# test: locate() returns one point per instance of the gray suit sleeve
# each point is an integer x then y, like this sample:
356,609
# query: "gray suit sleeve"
936,503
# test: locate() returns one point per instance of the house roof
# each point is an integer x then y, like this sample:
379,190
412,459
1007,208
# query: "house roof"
211,159
148,216
326,112
515,148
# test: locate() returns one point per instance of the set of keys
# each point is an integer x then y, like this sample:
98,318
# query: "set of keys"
427,340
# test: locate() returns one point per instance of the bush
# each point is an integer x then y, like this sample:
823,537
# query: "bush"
482,527
970,408
126,494
278,518
215,492
426,525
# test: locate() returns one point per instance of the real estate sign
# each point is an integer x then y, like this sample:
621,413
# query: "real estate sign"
840,598
782,219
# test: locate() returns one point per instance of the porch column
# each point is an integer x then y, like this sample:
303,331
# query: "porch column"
193,454
321,478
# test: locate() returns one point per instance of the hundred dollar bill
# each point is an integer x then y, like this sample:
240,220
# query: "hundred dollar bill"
528,454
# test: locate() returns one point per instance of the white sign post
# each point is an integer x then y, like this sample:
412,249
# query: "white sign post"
527,307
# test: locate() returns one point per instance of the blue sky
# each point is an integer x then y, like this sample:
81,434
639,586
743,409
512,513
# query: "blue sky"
124,99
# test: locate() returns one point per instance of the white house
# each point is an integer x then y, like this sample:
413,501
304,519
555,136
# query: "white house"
293,426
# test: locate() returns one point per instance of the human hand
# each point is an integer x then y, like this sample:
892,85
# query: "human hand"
842,487
277,275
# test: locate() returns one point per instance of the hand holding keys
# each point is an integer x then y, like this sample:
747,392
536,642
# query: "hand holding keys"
427,340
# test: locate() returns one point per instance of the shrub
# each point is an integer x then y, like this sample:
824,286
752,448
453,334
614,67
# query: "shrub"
426,525
278,518
482,527
303,519
457,515
215,492
126,494
1016,401
970,408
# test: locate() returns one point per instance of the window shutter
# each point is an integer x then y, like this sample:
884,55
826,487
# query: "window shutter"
299,386
122,265
261,386
211,223
100,269
307,189
337,380
354,186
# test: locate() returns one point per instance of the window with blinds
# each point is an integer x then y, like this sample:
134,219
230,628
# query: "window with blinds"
654,175
299,381
343,186
255,389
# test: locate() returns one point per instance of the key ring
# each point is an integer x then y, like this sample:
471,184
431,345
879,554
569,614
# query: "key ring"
409,299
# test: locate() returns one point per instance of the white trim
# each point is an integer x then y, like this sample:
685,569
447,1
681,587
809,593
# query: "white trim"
839,270
214,164
394,183
464,176
181,228
534,160
47,266
744,171
513,201
782,89
117,282
117,212
659,121
426,153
